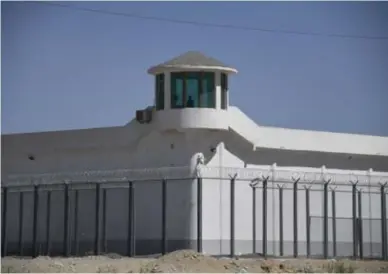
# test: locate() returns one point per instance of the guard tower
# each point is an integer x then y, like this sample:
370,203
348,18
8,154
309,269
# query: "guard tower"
191,92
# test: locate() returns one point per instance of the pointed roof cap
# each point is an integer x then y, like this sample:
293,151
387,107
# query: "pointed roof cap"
192,60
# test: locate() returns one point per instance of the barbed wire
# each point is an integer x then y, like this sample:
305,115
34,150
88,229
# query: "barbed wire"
278,174
99,176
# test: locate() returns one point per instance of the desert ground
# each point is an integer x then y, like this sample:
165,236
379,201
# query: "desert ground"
187,261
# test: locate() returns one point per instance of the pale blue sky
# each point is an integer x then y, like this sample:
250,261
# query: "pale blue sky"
67,69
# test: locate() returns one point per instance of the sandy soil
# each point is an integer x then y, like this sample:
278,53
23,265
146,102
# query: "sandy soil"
186,261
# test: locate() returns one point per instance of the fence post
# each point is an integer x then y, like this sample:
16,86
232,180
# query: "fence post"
97,221
131,219
265,183
199,215
48,223
360,230
66,221
232,214
281,247
325,220
383,221
4,227
35,221
295,190
104,223
76,232
253,219
21,223
308,221
354,219
334,222
164,216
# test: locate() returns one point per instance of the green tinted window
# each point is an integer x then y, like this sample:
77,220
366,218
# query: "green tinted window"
177,90
208,90
192,90
159,90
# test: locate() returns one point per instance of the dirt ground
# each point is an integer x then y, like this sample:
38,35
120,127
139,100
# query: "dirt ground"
187,261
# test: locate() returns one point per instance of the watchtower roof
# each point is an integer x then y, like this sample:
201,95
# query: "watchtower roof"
192,60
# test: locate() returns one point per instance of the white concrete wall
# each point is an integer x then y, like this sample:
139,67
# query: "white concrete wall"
154,149
352,144
119,149
243,125
168,149
191,118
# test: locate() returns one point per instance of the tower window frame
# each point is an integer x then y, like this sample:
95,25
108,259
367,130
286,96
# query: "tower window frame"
159,91
193,89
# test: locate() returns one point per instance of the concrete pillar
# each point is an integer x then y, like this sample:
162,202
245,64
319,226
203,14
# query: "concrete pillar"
218,89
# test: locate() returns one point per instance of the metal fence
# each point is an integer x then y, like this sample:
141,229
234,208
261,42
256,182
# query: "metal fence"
68,204
324,234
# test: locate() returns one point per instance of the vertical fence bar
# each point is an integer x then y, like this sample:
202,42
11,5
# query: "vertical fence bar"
360,230
97,221
164,216
265,183
131,220
325,221
295,190
66,230
21,223
232,212
199,215
354,219
308,222
334,222
253,219
48,224
383,222
4,227
76,226
281,243
35,221
104,224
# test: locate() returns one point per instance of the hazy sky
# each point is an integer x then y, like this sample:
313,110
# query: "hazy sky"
64,68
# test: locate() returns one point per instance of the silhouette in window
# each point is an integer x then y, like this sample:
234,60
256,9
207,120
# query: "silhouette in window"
190,102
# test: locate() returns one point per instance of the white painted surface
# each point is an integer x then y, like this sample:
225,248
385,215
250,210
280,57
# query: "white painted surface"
191,118
305,140
243,125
